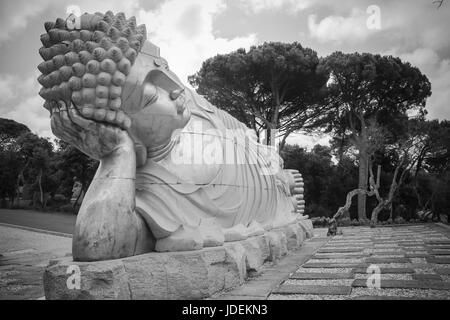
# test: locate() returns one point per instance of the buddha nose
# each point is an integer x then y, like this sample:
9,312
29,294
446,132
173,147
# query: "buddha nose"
180,104
175,94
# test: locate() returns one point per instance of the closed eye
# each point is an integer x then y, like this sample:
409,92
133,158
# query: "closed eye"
149,96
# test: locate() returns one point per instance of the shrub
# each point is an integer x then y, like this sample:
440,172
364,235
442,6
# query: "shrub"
68,208
399,220
320,222
316,210
344,222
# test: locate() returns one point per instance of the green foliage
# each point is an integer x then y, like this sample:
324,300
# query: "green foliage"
73,165
371,96
11,161
374,86
36,154
46,173
9,171
326,183
371,90
273,85
10,130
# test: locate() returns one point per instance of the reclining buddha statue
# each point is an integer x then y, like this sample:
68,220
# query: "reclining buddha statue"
176,173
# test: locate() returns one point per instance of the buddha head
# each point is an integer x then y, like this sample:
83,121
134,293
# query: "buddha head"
110,73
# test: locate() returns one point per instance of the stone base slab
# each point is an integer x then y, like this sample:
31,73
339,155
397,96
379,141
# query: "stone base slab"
172,275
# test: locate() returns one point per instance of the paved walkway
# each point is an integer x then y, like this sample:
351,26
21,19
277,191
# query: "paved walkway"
23,256
411,262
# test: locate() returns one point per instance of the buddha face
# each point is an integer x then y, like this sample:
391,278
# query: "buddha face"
155,104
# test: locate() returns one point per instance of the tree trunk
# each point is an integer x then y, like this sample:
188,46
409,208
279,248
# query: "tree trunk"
11,205
348,201
375,186
283,141
380,206
270,135
332,227
41,192
363,170
395,185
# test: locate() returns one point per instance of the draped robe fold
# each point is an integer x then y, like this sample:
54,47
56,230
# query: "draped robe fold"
214,173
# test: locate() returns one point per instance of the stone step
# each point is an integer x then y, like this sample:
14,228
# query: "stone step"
340,250
443,271
440,252
438,247
405,284
426,277
410,244
432,242
387,270
387,260
334,265
338,256
387,253
417,255
318,290
438,260
320,276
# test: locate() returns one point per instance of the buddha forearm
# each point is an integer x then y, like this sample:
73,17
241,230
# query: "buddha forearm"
107,226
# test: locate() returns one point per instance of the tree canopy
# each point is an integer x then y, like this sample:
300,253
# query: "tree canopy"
371,97
272,86
38,165
10,130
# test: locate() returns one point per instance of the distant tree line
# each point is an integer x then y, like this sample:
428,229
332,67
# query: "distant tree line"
34,169
383,150
424,187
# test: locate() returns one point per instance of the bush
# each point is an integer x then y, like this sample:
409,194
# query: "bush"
399,220
316,210
344,222
68,208
57,201
320,222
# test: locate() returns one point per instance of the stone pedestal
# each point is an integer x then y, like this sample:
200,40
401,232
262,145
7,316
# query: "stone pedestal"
307,226
172,275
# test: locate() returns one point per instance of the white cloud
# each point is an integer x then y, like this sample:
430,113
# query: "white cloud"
308,141
19,100
184,32
7,88
439,102
292,6
13,87
438,72
424,58
129,7
14,16
339,28
31,113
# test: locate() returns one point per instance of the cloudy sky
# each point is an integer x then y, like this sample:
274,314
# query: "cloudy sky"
190,31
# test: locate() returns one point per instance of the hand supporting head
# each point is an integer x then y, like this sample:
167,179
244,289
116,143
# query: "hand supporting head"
111,74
